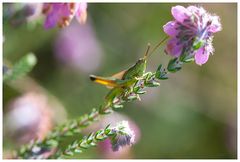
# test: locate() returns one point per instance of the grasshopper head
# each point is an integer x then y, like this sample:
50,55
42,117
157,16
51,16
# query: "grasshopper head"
140,66
136,70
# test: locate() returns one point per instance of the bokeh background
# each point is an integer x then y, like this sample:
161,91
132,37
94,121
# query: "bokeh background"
193,114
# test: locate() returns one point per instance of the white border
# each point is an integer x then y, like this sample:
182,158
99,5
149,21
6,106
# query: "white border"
129,1
123,1
238,76
1,87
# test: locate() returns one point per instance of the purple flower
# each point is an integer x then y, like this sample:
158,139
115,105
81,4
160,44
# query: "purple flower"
105,147
61,14
20,13
77,47
191,33
35,120
125,136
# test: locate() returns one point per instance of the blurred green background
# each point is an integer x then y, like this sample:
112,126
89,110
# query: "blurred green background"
193,114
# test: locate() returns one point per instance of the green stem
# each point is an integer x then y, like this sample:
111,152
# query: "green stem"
68,129
75,126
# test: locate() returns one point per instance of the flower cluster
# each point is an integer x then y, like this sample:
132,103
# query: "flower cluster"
120,136
191,33
124,137
20,13
61,14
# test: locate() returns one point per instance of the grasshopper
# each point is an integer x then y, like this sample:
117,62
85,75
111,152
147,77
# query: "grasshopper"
125,79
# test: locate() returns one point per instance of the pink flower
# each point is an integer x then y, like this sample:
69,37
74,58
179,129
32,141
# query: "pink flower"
35,119
77,47
61,14
191,33
125,137
20,13
105,148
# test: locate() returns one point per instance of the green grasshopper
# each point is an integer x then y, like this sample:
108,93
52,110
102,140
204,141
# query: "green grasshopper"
125,79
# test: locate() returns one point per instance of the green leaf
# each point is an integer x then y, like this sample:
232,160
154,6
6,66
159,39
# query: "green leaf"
90,138
74,144
78,150
84,146
140,92
132,97
21,68
96,134
100,136
85,124
104,112
52,143
148,76
186,58
137,88
107,130
174,65
198,44
93,144
22,150
68,153
76,130
73,125
107,126
117,106
152,84
92,114
161,73
68,133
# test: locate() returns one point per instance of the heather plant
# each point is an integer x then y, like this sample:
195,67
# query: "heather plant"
190,37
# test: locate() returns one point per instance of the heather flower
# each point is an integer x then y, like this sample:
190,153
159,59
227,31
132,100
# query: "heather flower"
105,147
20,13
191,33
125,136
29,117
77,47
61,14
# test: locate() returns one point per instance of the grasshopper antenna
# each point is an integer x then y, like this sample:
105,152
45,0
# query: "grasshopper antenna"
147,53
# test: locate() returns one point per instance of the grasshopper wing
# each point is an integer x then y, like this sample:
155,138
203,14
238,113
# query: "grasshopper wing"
119,75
